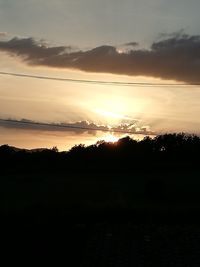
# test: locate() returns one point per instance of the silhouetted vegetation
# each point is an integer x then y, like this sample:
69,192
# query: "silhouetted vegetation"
164,152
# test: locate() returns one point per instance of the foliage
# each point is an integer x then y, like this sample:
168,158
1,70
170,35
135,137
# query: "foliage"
126,155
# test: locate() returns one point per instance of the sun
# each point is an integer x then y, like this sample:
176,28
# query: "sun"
110,138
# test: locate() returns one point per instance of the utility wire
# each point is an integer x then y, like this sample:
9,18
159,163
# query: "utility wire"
70,126
97,81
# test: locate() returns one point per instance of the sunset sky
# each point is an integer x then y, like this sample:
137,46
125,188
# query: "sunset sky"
136,41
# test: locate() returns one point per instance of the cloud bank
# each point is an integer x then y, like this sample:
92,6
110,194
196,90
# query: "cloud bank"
175,58
79,127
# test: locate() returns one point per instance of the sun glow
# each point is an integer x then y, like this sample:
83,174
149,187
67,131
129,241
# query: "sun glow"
111,114
110,138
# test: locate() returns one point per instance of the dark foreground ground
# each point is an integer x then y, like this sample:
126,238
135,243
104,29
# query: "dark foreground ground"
108,243
132,203
101,220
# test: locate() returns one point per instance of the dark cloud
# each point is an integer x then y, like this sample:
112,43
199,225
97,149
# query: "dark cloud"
176,34
174,58
131,44
76,127
30,50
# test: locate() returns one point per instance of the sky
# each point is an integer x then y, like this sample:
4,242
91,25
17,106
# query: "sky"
135,41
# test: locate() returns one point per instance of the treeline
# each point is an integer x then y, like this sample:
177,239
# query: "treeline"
164,152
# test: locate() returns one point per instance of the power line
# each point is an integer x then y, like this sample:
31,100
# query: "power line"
97,81
70,126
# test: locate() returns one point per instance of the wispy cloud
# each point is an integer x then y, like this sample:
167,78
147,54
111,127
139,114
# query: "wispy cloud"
176,34
3,34
176,57
131,44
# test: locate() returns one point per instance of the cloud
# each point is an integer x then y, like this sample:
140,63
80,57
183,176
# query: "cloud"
174,58
131,44
176,34
75,127
3,34
30,50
